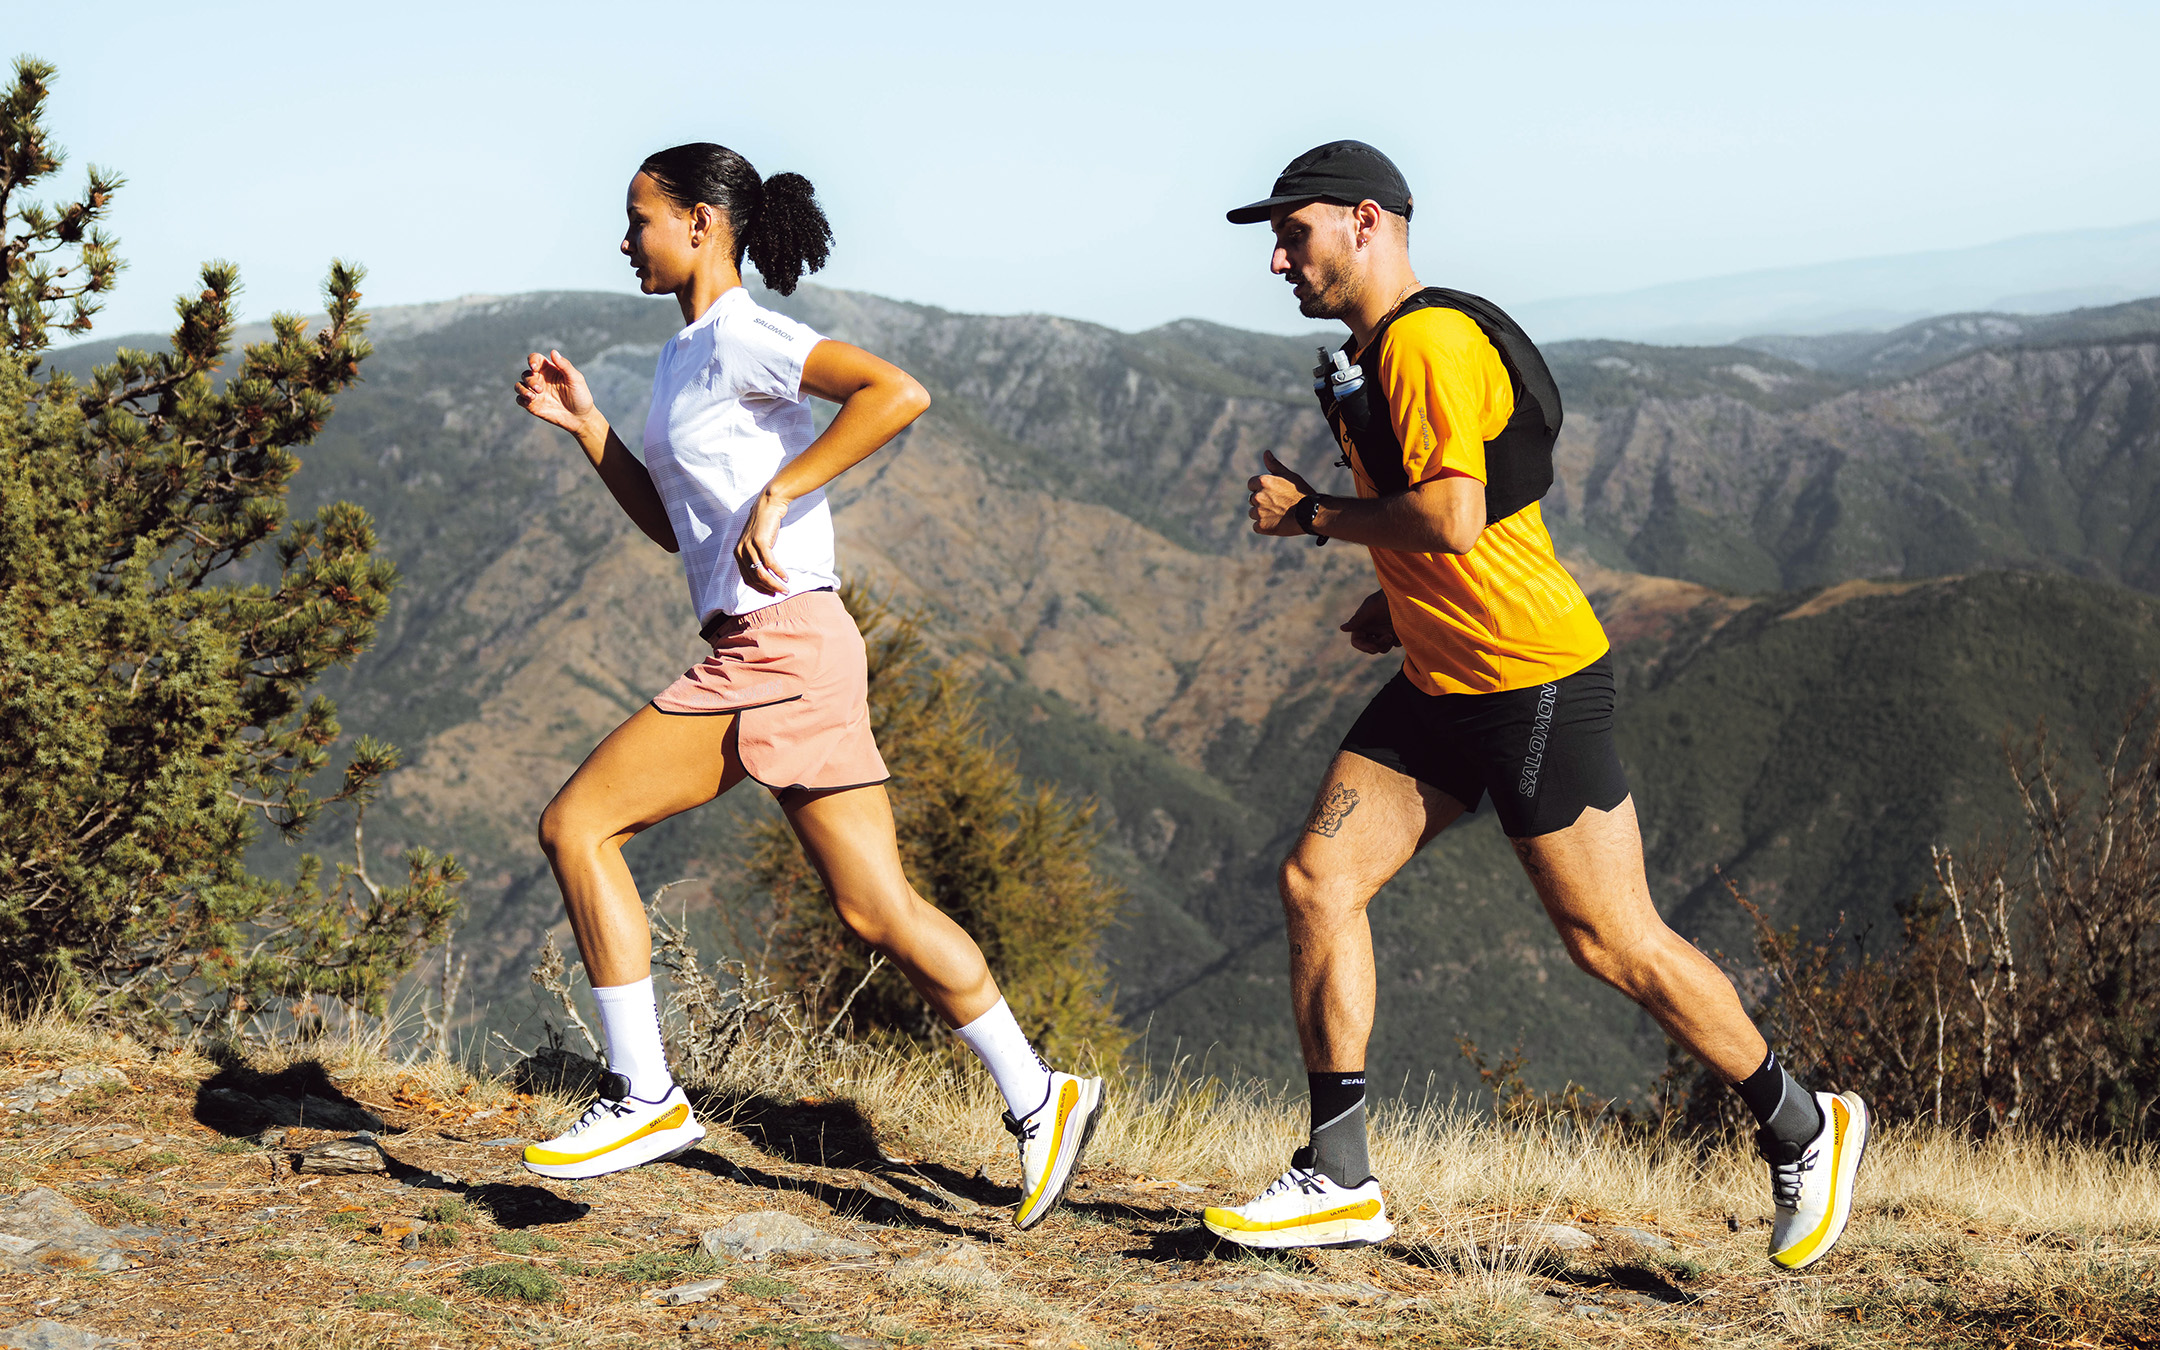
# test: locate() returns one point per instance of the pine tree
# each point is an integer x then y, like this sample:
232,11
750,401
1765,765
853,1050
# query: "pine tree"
153,708
1008,861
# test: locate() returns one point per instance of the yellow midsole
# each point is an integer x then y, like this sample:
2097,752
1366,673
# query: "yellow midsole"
1224,1218
1067,1099
537,1154
1840,1122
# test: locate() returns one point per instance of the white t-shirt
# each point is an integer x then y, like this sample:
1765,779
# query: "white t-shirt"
727,412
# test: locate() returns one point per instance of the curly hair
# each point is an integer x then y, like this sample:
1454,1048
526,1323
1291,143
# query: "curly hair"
776,221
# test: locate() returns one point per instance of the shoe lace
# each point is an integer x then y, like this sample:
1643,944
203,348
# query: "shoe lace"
1300,1178
601,1109
1024,1130
1789,1166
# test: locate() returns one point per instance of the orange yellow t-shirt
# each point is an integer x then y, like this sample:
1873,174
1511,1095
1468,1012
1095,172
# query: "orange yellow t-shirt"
1505,615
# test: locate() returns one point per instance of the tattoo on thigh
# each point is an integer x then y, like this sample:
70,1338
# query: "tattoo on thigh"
1332,810
1525,854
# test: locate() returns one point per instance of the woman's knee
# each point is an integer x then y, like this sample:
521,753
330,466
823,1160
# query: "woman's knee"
564,829
880,921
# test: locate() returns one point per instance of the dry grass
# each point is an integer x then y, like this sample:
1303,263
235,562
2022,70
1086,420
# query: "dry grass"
1952,1244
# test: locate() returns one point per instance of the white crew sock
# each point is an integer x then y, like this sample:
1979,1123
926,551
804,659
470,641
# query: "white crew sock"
1004,1050
631,1020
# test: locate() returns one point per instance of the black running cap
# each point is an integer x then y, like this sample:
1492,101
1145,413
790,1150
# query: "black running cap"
1345,172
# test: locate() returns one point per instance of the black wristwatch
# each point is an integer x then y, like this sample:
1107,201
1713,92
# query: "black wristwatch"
1302,513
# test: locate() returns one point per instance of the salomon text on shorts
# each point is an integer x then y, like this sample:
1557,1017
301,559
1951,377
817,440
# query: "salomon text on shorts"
1543,753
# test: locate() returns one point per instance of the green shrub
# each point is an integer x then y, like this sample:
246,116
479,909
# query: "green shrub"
153,709
416,1305
761,1286
513,1279
447,1209
653,1267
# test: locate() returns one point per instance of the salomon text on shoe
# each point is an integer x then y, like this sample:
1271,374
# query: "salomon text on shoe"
1812,1185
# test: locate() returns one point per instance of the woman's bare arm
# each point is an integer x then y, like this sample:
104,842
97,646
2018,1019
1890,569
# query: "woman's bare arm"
553,390
877,402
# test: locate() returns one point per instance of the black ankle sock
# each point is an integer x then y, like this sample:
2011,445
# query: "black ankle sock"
1338,1126
1785,1110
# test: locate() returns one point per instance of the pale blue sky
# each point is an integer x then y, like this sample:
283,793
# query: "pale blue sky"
1077,160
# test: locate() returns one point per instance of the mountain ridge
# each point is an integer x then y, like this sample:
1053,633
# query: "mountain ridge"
1069,517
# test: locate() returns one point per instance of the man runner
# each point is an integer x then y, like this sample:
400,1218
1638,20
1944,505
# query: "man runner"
1506,688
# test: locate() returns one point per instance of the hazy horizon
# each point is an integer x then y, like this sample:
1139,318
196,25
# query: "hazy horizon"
991,161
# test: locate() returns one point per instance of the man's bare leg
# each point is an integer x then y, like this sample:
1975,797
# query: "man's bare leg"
1590,878
1366,822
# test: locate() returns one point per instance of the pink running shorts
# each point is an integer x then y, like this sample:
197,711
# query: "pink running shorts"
797,677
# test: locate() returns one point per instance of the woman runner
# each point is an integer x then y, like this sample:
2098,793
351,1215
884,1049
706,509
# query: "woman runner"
733,479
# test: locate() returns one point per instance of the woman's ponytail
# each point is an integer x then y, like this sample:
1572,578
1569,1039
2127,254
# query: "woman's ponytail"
790,235
777,221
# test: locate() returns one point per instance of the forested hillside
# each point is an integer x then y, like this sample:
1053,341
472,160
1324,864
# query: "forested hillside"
1069,516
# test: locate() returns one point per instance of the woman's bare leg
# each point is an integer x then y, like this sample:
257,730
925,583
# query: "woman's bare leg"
848,837
649,768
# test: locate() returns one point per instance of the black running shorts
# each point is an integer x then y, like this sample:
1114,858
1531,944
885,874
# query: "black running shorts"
1544,753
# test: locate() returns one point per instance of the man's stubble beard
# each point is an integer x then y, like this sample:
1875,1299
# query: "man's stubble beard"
1333,291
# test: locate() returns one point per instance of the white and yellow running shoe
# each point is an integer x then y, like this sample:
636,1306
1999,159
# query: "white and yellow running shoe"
617,1131
1305,1208
1812,1186
1052,1138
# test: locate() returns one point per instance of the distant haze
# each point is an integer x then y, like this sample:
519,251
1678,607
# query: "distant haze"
1077,161
2036,274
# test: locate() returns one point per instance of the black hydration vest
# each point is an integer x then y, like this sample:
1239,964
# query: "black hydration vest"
1518,461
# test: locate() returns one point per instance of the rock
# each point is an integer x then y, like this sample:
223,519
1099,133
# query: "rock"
1560,1237
42,1333
1275,1282
755,1236
709,1322
308,1110
53,1084
957,1265
1643,1237
695,1292
111,1143
42,1230
340,1157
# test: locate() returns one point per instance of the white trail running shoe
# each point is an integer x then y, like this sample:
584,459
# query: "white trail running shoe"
1052,1138
1306,1209
1813,1186
617,1131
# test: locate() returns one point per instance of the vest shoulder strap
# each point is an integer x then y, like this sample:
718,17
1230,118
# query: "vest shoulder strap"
1519,460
